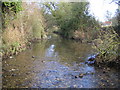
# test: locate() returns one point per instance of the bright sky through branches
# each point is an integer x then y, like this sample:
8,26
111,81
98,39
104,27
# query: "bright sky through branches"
99,8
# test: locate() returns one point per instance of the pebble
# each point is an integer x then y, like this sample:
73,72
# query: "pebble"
42,61
103,80
10,57
104,72
107,80
103,84
25,78
33,56
57,79
12,70
76,76
91,59
108,69
13,74
81,75
75,86
112,84
5,62
81,86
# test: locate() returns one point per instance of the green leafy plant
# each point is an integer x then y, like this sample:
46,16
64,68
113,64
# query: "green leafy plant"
108,45
71,17
12,6
9,11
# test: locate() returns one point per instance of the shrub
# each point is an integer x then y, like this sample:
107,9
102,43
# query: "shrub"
108,48
12,6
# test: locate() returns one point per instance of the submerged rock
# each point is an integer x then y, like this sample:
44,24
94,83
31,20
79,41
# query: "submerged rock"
12,70
10,57
104,71
91,60
81,75
76,76
43,61
108,69
14,75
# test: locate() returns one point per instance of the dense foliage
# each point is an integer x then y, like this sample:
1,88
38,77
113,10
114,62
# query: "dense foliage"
11,6
74,18
71,17
9,11
20,27
109,48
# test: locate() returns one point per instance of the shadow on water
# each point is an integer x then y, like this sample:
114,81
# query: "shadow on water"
56,63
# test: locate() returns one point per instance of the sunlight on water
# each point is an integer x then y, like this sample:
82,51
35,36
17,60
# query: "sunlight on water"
50,51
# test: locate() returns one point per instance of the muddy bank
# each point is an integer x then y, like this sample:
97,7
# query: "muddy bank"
12,50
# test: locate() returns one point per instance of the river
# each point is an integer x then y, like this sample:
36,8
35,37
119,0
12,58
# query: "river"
56,63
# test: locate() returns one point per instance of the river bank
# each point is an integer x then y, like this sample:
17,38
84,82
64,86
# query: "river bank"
99,60
20,28
12,50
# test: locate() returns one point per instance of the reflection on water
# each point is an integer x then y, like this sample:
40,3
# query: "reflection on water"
50,51
56,63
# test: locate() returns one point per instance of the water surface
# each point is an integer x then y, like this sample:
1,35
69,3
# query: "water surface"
56,63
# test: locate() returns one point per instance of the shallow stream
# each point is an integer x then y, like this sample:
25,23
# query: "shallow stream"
56,63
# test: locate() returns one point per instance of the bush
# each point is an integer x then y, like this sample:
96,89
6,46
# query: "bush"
108,48
9,11
11,6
